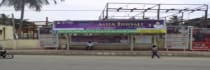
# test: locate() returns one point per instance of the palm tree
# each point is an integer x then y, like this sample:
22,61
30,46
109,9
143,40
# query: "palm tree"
19,5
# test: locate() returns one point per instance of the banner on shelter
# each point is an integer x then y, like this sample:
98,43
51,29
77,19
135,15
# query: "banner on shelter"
125,26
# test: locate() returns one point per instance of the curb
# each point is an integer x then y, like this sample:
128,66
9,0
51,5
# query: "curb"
108,53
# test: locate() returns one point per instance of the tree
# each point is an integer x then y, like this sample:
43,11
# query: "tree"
198,22
19,5
3,19
174,20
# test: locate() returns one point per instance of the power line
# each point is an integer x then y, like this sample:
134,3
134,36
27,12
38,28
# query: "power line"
55,10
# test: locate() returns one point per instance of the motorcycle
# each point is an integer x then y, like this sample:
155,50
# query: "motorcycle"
6,55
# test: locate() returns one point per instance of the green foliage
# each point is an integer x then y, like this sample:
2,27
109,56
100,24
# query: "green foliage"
17,4
4,20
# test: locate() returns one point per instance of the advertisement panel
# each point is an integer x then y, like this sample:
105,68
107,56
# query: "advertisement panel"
101,39
143,39
201,39
47,38
177,37
125,26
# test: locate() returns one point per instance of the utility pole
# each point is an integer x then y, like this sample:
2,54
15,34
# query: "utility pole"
158,12
206,16
14,32
182,17
206,12
107,14
143,16
46,21
13,24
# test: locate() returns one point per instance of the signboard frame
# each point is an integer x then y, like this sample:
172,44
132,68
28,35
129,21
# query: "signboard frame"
48,38
178,37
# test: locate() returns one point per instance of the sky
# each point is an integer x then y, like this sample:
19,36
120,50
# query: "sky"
97,5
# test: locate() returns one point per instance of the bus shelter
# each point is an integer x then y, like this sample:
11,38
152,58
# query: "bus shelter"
121,34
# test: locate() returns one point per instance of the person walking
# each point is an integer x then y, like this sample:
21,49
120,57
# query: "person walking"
155,51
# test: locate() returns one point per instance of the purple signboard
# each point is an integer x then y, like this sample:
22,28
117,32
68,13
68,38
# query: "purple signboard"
106,25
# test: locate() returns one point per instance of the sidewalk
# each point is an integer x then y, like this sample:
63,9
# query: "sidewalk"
110,53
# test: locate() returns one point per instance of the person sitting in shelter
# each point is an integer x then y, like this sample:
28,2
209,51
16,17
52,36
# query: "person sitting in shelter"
158,25
90,45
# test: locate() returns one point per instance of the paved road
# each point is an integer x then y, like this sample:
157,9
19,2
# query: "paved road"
37,62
